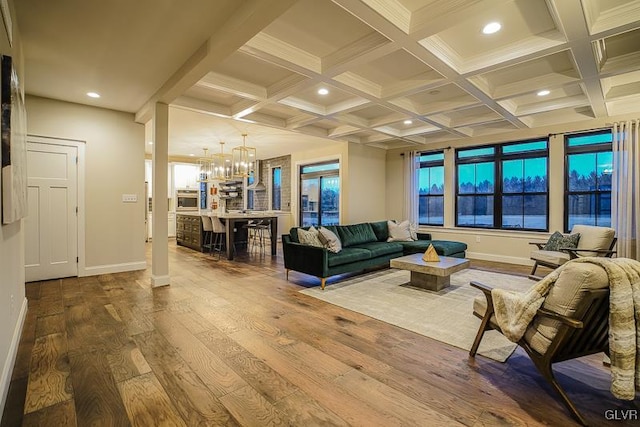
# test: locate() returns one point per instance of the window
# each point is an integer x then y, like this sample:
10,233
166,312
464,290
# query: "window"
320,194
250,192
431,189
276,189
503,186
589,164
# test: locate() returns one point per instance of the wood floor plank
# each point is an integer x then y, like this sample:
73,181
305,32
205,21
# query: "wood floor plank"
51,324
212,370
192,399
253,370
14,405
332,396
251,409
49,373
97,399
147,403
61,415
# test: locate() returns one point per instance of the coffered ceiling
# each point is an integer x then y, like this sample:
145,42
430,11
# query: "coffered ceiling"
398,72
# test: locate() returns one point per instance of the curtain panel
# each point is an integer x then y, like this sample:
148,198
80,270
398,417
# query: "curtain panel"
625,185
410,168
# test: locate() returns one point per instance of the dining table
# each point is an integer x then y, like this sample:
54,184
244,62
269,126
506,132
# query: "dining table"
233,220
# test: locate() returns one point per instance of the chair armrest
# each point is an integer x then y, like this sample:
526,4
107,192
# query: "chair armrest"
560,318
486,289
538,244
573,252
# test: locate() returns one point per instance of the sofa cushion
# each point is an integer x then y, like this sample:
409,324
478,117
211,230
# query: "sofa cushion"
330,240
309,237
551,257
448,247
399,232
592,237
293,233
381,230
356,234
559,241
348,255
442,247
381,248
563,298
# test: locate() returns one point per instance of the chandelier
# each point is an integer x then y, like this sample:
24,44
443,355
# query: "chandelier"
243,159
221,164
204,167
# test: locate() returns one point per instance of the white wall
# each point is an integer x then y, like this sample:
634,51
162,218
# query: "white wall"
494,245
114,231
366,184
13,304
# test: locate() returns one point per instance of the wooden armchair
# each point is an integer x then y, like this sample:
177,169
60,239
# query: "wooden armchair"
573,322
594,241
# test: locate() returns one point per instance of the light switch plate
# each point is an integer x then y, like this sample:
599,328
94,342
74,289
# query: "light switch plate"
129,198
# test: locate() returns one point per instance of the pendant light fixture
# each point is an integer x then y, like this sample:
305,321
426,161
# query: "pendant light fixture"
243,159
205,167
221,164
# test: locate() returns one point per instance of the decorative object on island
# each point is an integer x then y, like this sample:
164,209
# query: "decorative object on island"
430,255
221,164
243,159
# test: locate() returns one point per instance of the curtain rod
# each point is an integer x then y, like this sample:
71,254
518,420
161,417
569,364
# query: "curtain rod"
607,126
444,148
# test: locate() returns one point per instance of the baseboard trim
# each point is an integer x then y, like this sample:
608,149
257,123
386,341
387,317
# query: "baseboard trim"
499,258
157,281
7,370
113,268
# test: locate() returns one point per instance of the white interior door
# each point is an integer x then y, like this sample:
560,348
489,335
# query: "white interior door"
51,227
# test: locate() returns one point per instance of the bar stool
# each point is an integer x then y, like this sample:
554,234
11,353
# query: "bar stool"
219,233
250,226
207,227
263,229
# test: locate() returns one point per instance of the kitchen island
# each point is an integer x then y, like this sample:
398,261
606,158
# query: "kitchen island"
232,222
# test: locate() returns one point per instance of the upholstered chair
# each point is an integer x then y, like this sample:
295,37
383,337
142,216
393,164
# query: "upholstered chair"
593,241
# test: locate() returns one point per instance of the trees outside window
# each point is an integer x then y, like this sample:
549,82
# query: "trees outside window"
503,186
431,189
589,160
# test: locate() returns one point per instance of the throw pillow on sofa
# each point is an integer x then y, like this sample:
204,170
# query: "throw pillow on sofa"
559,240
399,232
330,240
309,237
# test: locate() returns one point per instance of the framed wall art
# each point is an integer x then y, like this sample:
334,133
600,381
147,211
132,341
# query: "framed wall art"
14,144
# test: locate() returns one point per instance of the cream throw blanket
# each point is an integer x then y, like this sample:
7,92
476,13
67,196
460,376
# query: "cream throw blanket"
514,311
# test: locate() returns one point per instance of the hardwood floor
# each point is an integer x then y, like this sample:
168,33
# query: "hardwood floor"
234,343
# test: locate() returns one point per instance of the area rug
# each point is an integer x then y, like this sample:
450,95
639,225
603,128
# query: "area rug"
446,315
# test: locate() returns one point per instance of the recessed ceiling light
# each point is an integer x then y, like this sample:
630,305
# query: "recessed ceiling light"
93,95
544,92
491,28
323,91
191,155
408,122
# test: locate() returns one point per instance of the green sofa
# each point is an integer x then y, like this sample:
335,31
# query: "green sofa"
364,246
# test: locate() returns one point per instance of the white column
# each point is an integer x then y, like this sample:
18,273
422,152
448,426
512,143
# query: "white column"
555,177
160,158
449,198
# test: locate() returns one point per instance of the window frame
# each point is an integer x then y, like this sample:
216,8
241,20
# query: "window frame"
273,189
430,164
498,157
601,147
